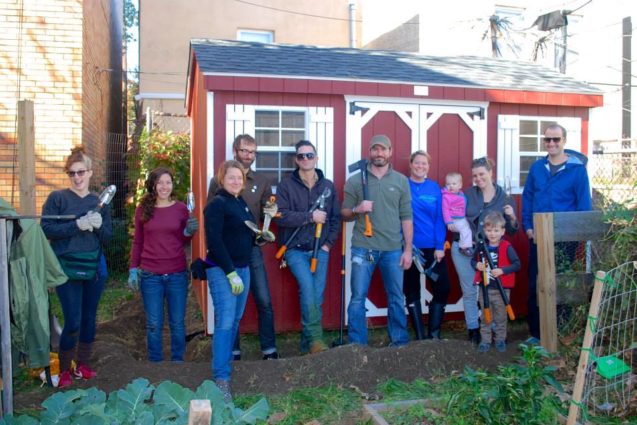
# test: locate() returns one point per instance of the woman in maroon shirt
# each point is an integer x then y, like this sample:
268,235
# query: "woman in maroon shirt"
158,263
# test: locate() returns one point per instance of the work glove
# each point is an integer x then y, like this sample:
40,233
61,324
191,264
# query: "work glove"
83,223
270,208
95,219
236,284
133,280
192,225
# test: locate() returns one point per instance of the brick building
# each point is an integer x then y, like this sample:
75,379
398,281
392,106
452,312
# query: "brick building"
65,56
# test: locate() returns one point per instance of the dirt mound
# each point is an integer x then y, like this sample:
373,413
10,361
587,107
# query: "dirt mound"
120,351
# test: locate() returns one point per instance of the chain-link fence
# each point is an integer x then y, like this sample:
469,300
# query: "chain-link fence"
614,176
166,121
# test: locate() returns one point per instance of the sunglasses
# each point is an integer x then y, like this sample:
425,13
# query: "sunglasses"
79,173
552,139
302,156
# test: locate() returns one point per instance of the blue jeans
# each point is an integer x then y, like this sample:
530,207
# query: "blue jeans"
228,312
260,290
79,300
466,274
311,289
156,288
364,262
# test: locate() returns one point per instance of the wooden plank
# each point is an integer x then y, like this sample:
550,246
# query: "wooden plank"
200,412
580,377
543,225
5,324
26,156
578,226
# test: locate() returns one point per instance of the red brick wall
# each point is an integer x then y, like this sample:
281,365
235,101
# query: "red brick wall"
55,53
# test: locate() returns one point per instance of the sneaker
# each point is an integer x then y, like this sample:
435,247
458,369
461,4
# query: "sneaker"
501,346
236,356
484,347
532,341
271,356
83,371
66,379
317,346
466,251
224,386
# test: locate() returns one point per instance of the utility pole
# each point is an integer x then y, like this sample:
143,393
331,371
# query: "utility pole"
627,33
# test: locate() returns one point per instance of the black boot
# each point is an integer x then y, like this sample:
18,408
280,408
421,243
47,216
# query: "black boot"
436,312
474,336
415,313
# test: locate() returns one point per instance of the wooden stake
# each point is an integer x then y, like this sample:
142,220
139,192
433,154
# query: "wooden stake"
580,378
200,412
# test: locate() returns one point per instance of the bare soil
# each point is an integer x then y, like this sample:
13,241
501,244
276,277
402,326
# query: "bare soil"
120,351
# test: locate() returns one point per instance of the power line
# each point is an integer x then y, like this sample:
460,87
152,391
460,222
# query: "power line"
311,15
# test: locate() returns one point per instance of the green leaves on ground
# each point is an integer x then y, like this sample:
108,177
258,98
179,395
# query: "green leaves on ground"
139,403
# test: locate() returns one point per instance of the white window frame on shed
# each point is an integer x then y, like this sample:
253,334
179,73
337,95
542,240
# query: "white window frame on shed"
319,129
509,152
259,36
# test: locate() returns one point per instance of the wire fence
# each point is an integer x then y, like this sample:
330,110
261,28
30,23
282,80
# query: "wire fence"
610,384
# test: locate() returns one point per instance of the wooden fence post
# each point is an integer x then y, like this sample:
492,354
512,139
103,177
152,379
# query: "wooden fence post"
543,228
26,156
200,412
5,325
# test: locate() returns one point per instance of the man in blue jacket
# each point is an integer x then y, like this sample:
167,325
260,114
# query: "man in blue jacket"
556,183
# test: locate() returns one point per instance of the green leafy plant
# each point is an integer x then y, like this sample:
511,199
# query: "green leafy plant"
139,403
161,149
514,395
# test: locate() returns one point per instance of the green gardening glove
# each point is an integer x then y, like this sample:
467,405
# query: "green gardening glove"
236,284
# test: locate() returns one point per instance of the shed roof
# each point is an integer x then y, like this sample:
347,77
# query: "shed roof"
240,58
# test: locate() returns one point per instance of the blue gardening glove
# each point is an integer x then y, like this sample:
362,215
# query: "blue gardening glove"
133,280
236,284
192,225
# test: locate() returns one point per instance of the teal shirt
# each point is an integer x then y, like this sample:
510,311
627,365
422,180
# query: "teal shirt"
392,205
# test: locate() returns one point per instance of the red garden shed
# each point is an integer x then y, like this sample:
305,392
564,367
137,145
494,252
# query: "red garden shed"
455,108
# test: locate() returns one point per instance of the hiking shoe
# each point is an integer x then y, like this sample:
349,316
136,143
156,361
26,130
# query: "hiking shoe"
474,336
532,341
83,371
271,356
484,347
66,379
466,251
224,386
501,346
317,346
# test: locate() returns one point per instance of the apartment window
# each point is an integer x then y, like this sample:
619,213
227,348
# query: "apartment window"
276,132
520,145
255,35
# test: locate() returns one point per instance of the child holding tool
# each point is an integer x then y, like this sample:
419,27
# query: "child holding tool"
497,257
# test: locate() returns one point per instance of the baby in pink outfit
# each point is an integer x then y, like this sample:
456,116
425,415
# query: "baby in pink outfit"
454,205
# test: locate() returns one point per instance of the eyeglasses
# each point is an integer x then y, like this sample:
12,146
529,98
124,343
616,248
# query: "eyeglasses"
302,156
552,139
79,173
248,152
